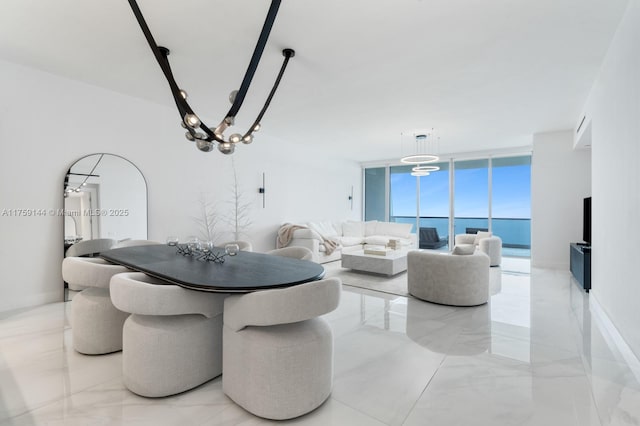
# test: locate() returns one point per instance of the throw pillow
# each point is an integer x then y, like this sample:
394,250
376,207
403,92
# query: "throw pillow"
480,235
403,230
464,249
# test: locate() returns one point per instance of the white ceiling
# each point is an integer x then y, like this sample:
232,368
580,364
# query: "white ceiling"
486,74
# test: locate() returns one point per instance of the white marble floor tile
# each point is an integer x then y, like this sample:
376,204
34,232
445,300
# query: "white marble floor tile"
532,356
331,413
112,404
51,375
492,390
382,373
356,309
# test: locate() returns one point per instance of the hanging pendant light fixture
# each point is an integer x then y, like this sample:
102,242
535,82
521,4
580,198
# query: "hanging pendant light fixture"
422,139
422,142
198,131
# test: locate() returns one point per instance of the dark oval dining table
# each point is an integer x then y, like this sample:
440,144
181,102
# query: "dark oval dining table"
242,273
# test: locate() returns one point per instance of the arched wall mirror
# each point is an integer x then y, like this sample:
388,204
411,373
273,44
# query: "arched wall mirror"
105,198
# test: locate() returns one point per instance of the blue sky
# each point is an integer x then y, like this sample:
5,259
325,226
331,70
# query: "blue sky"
511,193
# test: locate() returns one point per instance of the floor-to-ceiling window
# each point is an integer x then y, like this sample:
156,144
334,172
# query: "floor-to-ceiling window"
471,196
434,207
511,203
374,193
464,196
403,200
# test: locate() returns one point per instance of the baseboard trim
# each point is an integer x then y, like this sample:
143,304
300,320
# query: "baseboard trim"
613,336
34,300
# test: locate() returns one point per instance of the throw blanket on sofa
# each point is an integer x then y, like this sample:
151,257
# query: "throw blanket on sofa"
285,235
329,246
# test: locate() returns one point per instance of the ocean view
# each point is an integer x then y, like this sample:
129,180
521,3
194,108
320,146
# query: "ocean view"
514,232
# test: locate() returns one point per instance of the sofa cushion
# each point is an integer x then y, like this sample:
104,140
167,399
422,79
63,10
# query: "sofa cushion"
350,241
402,230
353,229
403,241
464,249
480,235
326,229
378,240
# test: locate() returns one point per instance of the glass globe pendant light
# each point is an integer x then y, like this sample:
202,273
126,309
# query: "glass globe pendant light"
197,131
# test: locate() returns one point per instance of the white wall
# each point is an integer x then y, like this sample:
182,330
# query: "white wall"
614,104
560,180
47,123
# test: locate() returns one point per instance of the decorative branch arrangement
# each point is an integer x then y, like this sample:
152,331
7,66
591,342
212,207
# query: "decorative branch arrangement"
205,253
239,218
209,219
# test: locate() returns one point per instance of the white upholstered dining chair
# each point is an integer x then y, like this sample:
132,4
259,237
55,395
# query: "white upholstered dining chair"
301,253
277,351
172,341
90,247
96,325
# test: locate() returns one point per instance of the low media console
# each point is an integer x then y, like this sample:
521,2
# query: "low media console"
580,264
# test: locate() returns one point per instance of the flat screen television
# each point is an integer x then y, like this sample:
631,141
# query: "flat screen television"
586,220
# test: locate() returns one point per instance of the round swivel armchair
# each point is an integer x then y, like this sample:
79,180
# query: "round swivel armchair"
449,279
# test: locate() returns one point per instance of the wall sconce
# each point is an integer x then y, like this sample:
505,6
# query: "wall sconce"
261,191
351,197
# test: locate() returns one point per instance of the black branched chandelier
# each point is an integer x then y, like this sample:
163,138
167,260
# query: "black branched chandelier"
198,131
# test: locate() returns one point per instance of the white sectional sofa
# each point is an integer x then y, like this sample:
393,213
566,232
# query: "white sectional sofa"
350,236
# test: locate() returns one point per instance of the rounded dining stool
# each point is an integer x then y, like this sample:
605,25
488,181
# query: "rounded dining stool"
277,352
172,341
301,253
96,325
